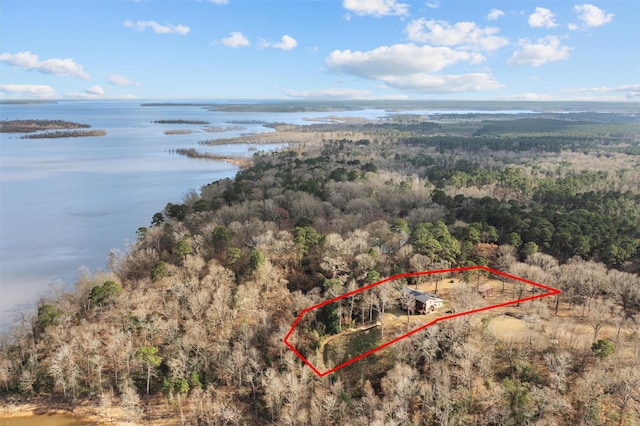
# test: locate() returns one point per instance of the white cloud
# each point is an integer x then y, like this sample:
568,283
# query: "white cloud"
494,14
593,16
158,28
542,18
545,50
333,93
407,67
219,1
287,43
433,5
120,80
93,96
57,67
39,91
628,88
399,59
572,27
428,83
376,8
528,97
95,90
235,39
465,35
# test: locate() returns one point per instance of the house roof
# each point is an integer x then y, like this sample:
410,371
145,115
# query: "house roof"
421,296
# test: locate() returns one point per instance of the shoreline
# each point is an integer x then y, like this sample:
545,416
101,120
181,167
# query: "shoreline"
90,412
83,413
242,162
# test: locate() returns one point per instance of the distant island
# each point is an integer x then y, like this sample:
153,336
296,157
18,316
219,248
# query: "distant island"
65,134
217,129
180,122
28,126
53,129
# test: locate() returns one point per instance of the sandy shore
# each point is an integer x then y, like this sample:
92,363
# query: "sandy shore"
86,412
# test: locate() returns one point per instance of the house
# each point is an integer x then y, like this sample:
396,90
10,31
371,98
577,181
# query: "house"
425,302
485,290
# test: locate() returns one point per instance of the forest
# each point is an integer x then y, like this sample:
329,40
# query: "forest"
188,324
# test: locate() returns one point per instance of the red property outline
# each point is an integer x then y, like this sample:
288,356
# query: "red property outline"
550,292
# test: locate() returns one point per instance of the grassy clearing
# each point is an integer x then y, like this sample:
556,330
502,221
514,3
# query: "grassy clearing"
349,345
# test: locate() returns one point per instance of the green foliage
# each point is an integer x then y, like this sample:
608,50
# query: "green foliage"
435,241
194,380
519,400
602,348
221,236
48,315
157,219
329,319
372,277
257,259
305,237
400,225
200,206
183,248
141,233
177,211
234,254
105,294
513,239
149,355
529,248
332,287
159,271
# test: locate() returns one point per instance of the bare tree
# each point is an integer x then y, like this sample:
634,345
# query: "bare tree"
599,314
559,366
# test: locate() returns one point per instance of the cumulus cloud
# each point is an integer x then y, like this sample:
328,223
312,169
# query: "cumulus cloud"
494,14
376,8
235,39
38,91
593,16
95,90
120,80
544,50
158,28
287,43
410,68
399,59
333,93
542,18
464,35
428,83
57,67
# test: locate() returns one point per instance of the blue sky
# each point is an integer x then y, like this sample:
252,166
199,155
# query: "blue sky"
320,49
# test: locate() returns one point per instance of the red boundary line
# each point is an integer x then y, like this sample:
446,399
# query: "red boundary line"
551,291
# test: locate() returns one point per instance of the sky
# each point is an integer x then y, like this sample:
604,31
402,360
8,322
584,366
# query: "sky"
320,49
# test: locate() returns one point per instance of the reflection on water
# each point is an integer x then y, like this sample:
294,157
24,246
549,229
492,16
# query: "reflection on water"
44,420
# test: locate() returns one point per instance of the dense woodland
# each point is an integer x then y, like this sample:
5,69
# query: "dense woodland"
193,316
